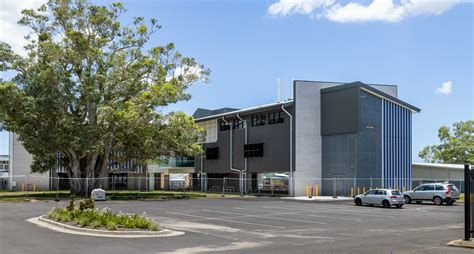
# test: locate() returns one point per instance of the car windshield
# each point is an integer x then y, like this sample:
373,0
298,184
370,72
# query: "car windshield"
396,193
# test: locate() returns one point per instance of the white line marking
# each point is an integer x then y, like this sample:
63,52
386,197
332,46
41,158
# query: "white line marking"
266,217
233,221
299,213
339,211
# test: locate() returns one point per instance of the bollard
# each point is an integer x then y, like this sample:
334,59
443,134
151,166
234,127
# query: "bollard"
316,191
370,188
22,187
34,187
363,190
352,191
403,189
358,190
306,190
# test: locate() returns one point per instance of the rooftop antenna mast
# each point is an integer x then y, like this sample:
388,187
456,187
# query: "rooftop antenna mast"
278,90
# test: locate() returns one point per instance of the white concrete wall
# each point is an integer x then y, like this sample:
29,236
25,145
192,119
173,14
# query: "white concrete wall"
20,168
308,141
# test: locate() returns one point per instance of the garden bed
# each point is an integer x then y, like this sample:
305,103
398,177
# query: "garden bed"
86,216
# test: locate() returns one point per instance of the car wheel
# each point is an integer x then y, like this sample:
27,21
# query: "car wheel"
437,201
418,202
407,200
386,204
358,202
399,206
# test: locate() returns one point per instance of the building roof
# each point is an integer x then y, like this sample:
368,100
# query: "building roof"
373,91
246,111
202,112
438,165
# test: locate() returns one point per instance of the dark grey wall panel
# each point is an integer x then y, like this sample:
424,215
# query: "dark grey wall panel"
340,111
275,138
358,155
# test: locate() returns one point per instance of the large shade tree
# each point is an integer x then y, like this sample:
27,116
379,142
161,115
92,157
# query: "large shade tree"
93,90
456,145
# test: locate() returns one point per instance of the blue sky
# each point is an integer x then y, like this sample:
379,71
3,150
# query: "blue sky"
249,44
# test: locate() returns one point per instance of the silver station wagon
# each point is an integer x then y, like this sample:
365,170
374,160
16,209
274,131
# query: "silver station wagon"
383,197
433,192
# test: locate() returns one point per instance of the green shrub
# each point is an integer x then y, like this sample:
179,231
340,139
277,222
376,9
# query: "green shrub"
102,219
86,204
71,205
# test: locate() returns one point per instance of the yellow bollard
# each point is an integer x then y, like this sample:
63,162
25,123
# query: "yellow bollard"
370,188
403,189
22,187
352,191
34,187
363,190
358,190
316,191
307,190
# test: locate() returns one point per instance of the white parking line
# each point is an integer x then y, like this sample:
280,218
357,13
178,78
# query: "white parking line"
233,221
265,217
338,211
299,213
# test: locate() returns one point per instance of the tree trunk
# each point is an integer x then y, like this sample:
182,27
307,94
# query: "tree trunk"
87,173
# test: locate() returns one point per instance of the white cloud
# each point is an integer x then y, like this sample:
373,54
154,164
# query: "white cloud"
376,10
10,31
446,88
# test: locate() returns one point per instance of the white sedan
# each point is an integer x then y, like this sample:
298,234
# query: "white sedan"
383,197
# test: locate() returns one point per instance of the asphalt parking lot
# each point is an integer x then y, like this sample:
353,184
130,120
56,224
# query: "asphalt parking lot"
256,225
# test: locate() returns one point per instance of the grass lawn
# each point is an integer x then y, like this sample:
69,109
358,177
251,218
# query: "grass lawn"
111,195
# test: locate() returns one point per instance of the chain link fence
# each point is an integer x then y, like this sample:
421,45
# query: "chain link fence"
337,186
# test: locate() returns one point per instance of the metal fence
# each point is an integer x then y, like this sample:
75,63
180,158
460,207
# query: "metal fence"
336,186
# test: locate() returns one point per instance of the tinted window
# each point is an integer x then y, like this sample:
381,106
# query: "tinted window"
212,153
452,188
421,188
381,192
372,192
439,187
429,187
396,193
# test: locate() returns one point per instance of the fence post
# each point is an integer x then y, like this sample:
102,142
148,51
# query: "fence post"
223,185
370,182
87,186
334,194
354,184
467,202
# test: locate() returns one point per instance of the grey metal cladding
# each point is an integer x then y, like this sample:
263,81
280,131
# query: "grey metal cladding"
275,139
355,155
340,111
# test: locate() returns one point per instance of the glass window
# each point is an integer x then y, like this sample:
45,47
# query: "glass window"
396,193
421,188
258,120
429,187
372,192
439,187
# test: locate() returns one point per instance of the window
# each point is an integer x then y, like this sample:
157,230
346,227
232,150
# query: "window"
258,120
253,150
429,187
372,192
439,187
275,117
212,153
237,124
223,126
421,188
396,193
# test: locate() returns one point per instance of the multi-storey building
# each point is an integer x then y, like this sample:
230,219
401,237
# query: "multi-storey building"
328,131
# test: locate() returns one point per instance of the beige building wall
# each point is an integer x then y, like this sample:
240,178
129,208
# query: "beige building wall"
20,171
435,171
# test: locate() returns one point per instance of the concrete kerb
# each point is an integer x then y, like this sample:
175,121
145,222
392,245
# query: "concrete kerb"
318,199
462,243
64,228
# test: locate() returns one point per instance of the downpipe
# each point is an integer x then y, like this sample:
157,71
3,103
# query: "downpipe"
291,182
245,143
230,157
